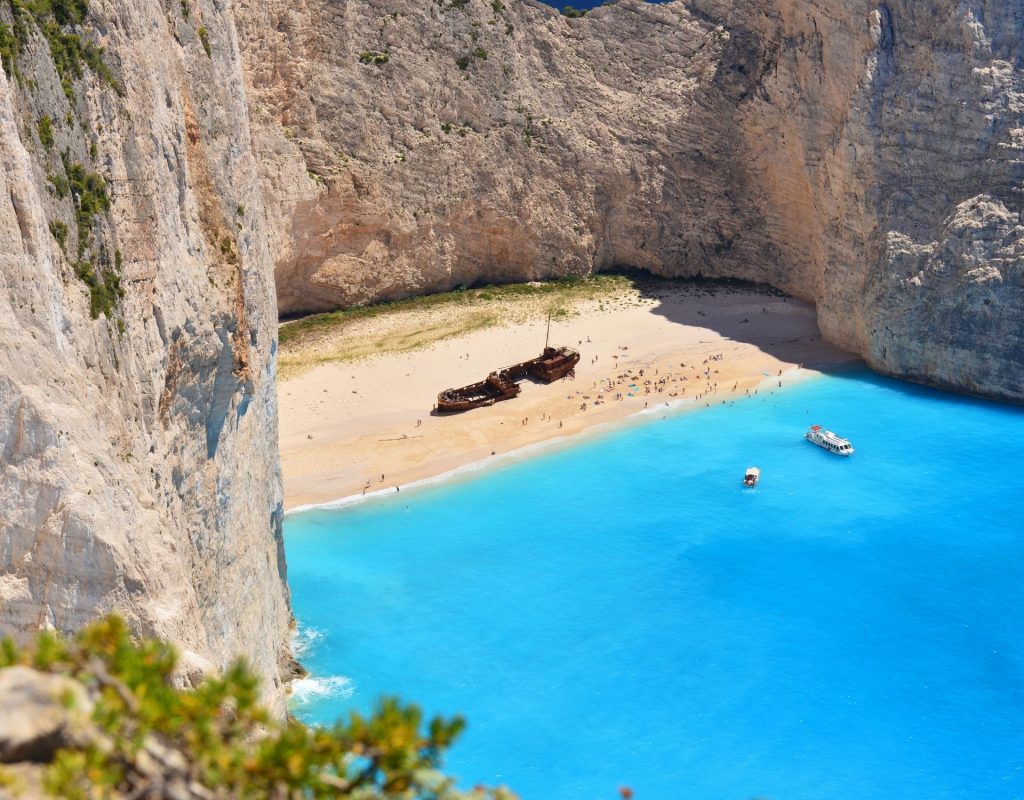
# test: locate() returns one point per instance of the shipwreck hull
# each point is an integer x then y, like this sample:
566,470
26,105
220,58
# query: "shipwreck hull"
477,395
553,364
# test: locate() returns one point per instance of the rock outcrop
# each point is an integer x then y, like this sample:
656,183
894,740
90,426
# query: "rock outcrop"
138,427
42,713
866,156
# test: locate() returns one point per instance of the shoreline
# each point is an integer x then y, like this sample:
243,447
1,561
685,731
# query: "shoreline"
354,430
798,376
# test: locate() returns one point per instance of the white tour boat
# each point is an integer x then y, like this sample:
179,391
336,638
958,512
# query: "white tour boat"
829,441
752,476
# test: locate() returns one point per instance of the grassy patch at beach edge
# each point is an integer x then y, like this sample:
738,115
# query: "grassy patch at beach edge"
414,323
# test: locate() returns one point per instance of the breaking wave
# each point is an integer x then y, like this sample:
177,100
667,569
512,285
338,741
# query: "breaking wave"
305,639
311,689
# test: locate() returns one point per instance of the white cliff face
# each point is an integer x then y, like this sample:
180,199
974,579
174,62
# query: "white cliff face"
138,444
816,145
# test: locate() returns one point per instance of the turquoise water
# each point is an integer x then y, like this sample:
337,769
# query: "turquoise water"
622,613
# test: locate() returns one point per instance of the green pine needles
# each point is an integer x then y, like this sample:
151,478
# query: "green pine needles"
219,737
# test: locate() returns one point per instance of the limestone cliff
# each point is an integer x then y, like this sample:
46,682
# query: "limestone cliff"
138,463
865,156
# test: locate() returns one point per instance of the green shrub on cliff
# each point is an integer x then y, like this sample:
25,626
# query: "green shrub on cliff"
478,54
59,231
8,50
374,57
92,266
204,40
216,740
71,52
45,128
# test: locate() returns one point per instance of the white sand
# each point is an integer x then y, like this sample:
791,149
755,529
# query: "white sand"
344,425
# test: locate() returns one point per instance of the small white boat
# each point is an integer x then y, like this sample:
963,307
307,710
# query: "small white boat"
752,476
829,441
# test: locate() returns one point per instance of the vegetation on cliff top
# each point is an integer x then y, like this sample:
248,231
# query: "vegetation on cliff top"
144,737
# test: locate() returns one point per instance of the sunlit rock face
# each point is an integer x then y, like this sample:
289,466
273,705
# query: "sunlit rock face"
138,426
862,155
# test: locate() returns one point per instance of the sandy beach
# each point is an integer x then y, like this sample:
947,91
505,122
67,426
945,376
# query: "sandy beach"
350,427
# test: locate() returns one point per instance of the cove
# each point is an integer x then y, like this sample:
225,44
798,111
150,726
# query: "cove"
622,612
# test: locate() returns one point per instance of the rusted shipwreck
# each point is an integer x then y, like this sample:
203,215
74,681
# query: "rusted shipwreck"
503,384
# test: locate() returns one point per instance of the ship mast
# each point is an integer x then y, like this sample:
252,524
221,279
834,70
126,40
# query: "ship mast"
547,338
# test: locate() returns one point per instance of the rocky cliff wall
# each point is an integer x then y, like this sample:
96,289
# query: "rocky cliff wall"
138,430
865,156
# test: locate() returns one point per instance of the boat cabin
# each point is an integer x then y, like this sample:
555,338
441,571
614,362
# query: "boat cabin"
829,441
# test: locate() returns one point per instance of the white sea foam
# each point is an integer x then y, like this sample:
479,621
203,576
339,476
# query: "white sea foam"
304,639
313,689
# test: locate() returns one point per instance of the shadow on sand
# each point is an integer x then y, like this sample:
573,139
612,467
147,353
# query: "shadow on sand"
744,312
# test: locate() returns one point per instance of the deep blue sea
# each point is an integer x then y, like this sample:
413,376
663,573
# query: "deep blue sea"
622,613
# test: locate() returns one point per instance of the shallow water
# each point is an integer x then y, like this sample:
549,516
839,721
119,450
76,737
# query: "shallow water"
623,613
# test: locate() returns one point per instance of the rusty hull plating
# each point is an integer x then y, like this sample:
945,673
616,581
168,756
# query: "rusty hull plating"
503,384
